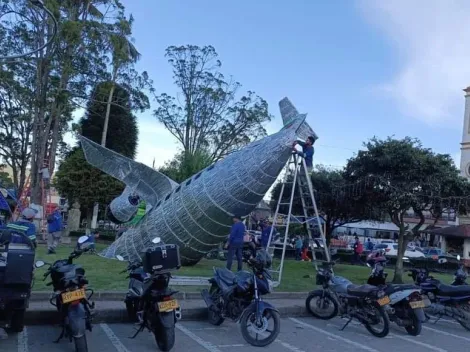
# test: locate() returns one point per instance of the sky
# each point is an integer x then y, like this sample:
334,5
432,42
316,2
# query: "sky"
358,68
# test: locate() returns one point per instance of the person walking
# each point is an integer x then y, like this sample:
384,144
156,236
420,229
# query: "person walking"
235,243
54,230
358,249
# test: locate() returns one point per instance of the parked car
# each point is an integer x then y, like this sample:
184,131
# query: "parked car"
391,250
436,253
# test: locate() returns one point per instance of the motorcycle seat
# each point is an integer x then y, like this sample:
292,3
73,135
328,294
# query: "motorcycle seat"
225,275
361,290
389,289
453,291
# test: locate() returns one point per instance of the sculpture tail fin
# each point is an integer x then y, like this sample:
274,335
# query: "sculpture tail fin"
292,119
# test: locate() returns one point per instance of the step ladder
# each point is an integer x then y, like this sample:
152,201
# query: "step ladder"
295,174
22,199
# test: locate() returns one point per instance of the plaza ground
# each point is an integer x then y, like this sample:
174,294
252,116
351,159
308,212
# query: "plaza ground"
297,335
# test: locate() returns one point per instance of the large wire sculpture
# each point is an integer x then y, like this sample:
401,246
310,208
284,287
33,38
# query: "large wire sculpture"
39,4
196,214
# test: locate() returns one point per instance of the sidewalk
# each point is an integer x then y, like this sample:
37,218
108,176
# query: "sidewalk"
114,311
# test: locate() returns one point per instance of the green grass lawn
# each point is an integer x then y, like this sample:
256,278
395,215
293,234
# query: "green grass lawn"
103,274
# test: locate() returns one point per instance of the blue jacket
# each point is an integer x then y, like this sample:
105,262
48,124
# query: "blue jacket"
265,235
307,151
26,227
54,222
236,233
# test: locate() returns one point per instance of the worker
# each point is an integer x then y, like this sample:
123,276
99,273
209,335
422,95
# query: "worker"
54,230
267,228
307,151
235,243
25,225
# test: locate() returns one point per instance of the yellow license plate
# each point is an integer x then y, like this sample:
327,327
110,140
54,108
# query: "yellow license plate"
383,301
417,304
71,296
168,306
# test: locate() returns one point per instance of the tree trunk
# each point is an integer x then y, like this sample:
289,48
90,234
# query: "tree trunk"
402,244
108,110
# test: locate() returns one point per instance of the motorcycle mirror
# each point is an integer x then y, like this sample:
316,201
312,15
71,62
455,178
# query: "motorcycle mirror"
156,240
442,260
120,258
458,256
39,264
82,239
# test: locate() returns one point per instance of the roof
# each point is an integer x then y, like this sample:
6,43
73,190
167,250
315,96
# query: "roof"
373,225
462,231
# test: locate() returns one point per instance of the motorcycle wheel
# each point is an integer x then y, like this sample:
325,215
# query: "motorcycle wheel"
17,320
215,317
379,313
81,344
415,328
165,338
248,319
327,300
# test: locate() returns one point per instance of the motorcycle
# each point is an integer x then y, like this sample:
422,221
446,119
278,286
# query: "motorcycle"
446,300
16,278
149,300
71,297
366,303
238,297
406,307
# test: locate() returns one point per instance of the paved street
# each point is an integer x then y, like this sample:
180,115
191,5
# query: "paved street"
297,335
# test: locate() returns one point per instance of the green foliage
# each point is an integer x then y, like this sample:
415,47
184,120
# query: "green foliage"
336,208
185,165
208,116
5,179
79,181
122,126
401,175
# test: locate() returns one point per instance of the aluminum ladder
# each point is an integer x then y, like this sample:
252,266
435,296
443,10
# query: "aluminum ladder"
296,176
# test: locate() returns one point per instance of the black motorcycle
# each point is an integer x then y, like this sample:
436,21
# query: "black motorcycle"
71,297
406,307
446,300
238,297
149,300
16,277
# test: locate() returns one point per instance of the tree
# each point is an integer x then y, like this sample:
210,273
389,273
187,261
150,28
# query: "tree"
74,171
210,117
5,179
398,175
123,124
337,203
183,165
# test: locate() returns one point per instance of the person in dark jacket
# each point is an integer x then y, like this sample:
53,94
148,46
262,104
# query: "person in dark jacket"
54,230
235,243
268,226
25,226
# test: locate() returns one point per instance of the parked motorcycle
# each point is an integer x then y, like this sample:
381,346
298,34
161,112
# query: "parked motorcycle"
70,296
446,300
149,300
238,296
406,307
16,277
365,303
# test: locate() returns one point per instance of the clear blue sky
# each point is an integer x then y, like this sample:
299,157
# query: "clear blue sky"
348,64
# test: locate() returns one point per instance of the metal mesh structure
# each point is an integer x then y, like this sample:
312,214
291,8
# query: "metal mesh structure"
197,214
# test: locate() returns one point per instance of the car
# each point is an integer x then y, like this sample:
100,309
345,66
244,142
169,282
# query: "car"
436,253
391,250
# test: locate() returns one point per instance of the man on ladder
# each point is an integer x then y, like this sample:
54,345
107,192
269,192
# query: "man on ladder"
307,152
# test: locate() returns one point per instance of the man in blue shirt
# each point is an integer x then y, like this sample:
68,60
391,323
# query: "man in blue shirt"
307,151
235,243
25,226
267,226
54,230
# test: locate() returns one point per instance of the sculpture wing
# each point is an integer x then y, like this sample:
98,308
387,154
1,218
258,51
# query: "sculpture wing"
148,183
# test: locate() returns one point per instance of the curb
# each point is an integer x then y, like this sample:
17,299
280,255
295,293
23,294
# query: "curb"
119,315
119,296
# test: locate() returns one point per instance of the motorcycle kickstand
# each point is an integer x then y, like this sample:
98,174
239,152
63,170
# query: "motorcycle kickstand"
139,330
347,323
61,336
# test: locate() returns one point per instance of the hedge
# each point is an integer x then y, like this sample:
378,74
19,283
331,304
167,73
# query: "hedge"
107,235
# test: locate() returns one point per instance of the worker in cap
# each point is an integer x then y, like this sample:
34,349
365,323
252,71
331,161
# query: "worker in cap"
24,225
235,242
